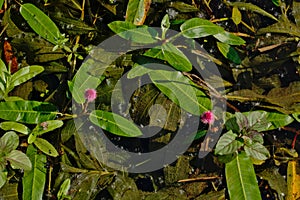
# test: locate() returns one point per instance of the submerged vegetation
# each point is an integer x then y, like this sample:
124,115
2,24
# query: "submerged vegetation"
146,99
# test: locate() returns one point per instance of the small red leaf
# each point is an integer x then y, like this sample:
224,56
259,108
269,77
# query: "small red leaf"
9,57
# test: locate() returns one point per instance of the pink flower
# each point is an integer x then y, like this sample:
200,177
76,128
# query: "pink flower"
90,95
207,117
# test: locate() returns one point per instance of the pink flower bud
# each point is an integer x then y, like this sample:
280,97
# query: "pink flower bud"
90,95
207,117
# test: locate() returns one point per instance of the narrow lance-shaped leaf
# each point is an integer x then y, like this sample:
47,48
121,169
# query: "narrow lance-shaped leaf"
137,10
40,23
241,179
23,75
176,58
128,31
236,15
14,126
196,28
114,123
229,52
34,180
229,38
31,112
46,147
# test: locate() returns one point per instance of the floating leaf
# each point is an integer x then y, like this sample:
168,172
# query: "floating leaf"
241,179
137,10
23,75
18,160
228,144
14,126
31,112
40,23
45,147
34,181
128,31
251,7
236,15
183,7
114,123
229,38
196,28
229,52
176,58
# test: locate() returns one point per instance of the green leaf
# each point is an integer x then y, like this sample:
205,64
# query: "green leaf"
229,52
18,160
155,52
3,178
176,58
236,15
183,7
276,2
14,126
137,10
47,126
251,7
257,121
228,144
179,89
9,142
229,38
31,112
165,25
34,181
45,147
241,179
278,120
23,75
83,80
257,151
114,123
128,31
40,23
196,28
64,188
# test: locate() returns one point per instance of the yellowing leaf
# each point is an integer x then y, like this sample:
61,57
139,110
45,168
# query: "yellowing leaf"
236,15
293,181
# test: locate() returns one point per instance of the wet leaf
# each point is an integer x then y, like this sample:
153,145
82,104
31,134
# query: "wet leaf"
14,126
45,147
18,160
229,38
34,181
282,26
228,144
128,31
196,28
137,10
229,52
276,181
40,23
124,188
183,7
241,178
31,112
176,58
236,15
114,123
251,7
